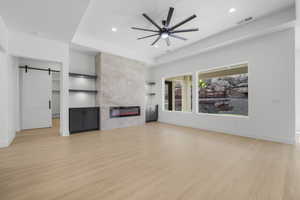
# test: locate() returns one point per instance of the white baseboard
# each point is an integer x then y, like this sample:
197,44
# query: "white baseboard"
4,144
259,137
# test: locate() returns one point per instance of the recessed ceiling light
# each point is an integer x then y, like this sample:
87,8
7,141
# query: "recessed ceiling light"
114,29
232,10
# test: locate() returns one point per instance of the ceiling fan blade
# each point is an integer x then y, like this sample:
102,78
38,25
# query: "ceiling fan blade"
152,22
155,41
185,30
178,37
170,14
168,41
148,36
144,29
183,22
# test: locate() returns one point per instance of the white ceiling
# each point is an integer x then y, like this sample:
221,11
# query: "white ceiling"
213,17
54,19
89,22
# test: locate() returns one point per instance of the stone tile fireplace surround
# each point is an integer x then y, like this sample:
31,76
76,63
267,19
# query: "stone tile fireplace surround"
121,83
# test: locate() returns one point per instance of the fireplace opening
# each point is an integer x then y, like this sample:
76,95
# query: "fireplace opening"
129,111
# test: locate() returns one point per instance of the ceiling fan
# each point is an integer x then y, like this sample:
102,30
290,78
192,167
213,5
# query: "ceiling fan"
166,31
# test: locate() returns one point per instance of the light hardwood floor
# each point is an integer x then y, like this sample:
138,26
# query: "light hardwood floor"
151,162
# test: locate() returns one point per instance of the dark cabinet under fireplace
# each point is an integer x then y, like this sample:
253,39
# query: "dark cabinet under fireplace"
84,119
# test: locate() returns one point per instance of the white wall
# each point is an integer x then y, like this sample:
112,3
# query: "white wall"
297,68
82,99
297,88
40,63
3,88
13,94
3,35
55,95
9,91
4,140
9,103
82,63
271,87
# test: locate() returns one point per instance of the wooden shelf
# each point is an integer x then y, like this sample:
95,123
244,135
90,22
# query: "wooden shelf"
83,75
87,91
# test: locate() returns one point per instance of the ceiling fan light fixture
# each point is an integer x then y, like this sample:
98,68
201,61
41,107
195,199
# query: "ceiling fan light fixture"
166,31
164,35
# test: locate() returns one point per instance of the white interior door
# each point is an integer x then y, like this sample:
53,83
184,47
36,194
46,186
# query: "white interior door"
36,97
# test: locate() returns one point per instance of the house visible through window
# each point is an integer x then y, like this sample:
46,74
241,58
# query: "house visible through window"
178,93
224,91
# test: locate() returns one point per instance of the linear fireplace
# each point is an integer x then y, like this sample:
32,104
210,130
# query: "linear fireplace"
128,111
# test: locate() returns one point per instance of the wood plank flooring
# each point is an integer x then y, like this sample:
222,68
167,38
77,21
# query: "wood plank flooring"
151,162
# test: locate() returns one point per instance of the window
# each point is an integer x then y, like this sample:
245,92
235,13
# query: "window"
178,94
224,90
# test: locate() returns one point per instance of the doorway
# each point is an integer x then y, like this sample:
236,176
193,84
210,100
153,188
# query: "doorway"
39,94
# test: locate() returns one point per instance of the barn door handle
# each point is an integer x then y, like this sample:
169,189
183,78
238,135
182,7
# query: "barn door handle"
49,104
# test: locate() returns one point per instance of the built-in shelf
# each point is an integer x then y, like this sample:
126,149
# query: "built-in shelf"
55,91
151,83
83,75
87,91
